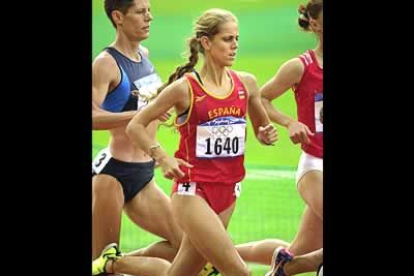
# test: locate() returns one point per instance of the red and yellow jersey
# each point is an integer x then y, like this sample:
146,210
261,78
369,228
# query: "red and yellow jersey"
309,99
213,134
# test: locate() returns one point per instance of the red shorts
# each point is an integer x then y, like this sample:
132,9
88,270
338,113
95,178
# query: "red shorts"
218,196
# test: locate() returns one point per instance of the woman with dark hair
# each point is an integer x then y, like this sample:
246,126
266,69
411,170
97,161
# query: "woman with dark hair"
124,81
304,75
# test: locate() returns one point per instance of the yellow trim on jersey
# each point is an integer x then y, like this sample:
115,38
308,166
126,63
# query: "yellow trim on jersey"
211,93
188,152
191,107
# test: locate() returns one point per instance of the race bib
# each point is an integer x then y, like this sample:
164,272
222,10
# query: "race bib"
238,189
319,112
100,161
147,89
188,188
221,137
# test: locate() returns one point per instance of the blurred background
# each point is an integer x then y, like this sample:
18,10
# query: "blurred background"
269,206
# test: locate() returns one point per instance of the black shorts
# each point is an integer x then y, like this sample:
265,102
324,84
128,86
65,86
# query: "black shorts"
132,176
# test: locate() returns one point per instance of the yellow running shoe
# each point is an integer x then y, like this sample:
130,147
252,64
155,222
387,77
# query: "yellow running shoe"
110,252
209,270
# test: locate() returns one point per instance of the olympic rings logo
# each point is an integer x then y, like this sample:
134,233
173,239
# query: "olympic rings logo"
222,130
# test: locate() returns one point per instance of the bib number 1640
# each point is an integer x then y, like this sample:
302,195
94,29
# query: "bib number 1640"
221,145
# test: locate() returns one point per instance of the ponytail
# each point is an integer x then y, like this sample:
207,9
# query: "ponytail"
188,67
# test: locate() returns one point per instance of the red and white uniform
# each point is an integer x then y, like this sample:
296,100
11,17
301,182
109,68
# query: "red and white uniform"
309,99
212,139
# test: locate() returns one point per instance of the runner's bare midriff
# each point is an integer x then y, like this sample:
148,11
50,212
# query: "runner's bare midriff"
122,148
